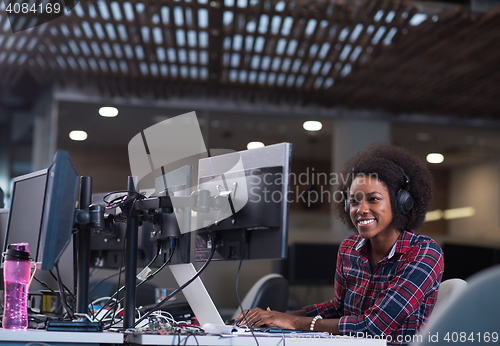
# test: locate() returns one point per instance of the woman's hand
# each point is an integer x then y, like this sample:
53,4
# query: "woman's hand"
258,317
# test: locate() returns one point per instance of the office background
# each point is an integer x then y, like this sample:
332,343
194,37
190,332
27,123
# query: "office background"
420,74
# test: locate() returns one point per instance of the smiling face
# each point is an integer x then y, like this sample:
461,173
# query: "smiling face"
370,208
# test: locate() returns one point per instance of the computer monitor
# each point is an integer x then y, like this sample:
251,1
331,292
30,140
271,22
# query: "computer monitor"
59,209
457,260
106,246
301,267
250,193
4,217
26,210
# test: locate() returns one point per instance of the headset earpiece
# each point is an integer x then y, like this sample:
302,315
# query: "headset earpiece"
403,198
347,205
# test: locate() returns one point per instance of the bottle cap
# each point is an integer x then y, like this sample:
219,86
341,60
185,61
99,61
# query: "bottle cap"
18,252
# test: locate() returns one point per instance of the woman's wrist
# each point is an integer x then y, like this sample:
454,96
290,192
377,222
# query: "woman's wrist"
313,322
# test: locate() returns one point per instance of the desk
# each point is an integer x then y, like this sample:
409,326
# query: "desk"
38,337
247,340
53,338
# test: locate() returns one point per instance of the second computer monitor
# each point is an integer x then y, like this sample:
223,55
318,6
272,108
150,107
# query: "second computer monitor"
248,203
26,210
59,209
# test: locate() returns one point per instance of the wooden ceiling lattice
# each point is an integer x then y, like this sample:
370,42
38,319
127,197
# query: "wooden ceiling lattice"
371,53
449,66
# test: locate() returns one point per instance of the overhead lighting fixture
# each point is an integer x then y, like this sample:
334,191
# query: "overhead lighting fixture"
434,215
78,135
108,112
458,213
254,145
449,214
312,125
435,158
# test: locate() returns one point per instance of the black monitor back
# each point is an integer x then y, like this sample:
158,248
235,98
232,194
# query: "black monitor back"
310,264
462,261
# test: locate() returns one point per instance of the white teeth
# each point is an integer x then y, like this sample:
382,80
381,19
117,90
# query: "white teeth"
365,222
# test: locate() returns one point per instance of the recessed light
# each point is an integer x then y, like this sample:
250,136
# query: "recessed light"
254,145
108,112
312,125
435,158
78,135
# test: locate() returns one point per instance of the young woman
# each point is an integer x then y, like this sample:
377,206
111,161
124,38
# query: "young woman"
387,276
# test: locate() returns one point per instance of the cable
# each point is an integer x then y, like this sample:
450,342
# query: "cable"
121,200
61,293
158,244
44,284
64,286
173,245
104,279
180,288
125,241
237,294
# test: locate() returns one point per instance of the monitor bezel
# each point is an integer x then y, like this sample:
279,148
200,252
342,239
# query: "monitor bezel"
33,249
58,218
277,155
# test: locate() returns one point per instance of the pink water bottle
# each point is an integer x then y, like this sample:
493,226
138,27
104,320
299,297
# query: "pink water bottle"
16,274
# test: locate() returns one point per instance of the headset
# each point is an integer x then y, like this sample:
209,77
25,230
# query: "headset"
404,200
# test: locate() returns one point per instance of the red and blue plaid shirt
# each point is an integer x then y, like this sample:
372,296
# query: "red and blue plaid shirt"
391,300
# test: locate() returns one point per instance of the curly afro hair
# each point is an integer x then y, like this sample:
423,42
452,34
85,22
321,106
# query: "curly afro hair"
383,160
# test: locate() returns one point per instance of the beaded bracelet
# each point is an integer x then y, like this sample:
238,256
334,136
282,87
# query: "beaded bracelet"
313,322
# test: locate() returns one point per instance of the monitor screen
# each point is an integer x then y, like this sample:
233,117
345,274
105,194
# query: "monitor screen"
302,264
249,200
59,209
26,210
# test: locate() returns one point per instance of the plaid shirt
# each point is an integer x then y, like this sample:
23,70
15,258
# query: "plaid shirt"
394,299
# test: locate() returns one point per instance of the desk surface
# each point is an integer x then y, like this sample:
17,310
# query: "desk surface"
16,338
274,339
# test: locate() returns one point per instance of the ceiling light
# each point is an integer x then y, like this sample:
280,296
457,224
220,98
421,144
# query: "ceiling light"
78,135
312,125
108,112
434,215
457,213
435,158
254,145
449,214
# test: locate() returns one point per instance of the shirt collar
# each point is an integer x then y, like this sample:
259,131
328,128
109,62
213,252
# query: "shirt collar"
399,246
